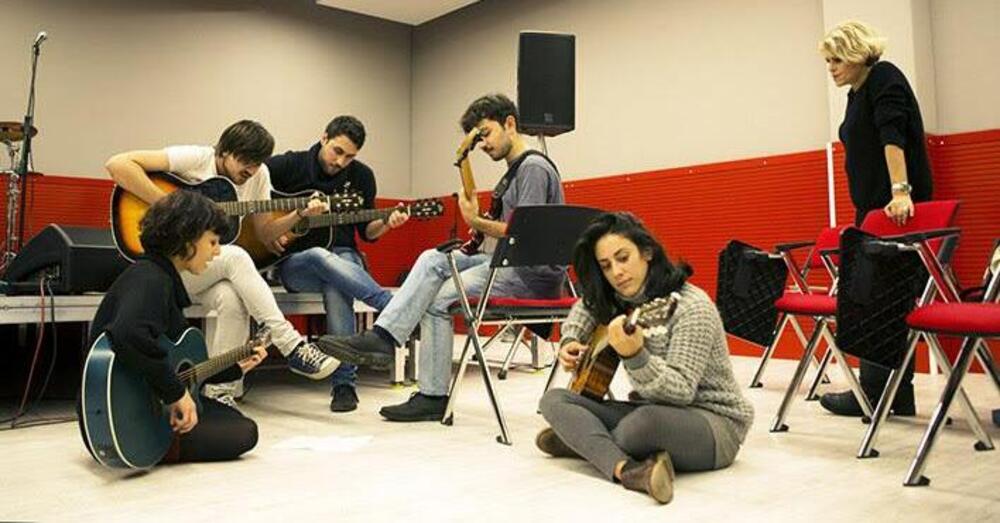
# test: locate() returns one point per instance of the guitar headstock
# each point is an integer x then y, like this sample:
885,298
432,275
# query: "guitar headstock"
655,312
427,208
470,140
344,202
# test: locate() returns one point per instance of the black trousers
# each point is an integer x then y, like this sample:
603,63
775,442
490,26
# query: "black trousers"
222,434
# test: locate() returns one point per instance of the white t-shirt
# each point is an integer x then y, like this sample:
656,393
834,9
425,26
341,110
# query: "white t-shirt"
196,163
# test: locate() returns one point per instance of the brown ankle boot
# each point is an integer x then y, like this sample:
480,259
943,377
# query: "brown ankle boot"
548,442
655,476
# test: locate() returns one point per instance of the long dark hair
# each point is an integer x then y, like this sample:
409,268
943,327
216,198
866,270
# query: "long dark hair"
599,296
173,224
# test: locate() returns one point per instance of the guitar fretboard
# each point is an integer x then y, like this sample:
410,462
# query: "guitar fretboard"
366,215
213,366
257,206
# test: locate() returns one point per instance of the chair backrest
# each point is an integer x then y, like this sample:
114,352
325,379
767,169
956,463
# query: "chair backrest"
542,235
829,238
927,216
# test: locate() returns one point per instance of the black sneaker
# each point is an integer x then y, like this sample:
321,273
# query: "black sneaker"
366,349
418,408
844,403
345,399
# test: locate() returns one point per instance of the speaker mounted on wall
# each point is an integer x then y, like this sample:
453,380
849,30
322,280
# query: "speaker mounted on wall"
546,83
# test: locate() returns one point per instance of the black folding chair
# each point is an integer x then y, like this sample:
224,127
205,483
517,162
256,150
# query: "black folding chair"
536,235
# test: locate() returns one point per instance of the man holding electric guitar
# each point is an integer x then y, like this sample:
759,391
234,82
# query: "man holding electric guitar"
428,292
334,267
230,284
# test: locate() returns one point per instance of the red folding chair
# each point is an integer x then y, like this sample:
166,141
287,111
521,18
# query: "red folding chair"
928,216
800,290
536,235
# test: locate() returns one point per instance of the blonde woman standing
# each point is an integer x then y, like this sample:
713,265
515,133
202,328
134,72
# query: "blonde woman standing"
885,160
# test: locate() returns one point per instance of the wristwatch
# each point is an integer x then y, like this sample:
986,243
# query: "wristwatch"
902,187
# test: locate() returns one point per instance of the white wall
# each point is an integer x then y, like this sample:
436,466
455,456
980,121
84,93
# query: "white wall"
967,58
119,75
659,83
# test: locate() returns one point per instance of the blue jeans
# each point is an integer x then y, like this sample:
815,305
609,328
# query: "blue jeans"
341,277
425,298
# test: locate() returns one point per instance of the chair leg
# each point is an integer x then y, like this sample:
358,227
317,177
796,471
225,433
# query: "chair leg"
852,381
988,362
983,440
915,475
867,449
484,368
807,355
510,354
766,357
463,363
820,374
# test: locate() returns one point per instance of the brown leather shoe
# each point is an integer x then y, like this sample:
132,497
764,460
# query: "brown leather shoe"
655,477
548,442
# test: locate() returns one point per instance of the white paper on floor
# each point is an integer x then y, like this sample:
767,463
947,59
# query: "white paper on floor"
325,443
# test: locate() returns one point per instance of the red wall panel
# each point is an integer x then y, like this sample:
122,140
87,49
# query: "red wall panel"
693,210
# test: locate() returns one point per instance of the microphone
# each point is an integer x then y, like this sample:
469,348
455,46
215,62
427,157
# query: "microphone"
42,36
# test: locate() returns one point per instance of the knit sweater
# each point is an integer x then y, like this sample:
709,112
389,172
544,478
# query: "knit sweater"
684,362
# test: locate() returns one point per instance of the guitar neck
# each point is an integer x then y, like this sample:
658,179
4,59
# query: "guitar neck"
344,218
468,182
217,364
240,208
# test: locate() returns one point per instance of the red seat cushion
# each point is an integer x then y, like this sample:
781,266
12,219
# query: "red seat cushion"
963,319
807,304
534,303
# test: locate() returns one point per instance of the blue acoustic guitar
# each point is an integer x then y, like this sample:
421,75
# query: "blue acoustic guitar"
126,425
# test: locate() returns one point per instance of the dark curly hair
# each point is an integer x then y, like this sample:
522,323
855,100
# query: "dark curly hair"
172,225
496,107
599,296
348,126
247,140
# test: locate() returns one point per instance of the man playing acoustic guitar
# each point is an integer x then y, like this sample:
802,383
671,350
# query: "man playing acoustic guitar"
231,285
428,292
339,273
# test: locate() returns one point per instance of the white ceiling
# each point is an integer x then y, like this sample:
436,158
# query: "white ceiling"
413,12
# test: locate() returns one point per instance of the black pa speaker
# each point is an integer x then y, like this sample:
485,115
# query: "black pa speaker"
546,83
77,259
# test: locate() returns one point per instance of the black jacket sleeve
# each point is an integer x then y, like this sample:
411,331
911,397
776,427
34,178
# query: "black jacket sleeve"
891,105
140,320
368,192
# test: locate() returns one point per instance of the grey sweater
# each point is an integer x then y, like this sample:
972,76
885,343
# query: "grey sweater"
685,363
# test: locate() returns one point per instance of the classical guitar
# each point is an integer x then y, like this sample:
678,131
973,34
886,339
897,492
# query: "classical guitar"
476,238
599,362
317,231
125,423
127,210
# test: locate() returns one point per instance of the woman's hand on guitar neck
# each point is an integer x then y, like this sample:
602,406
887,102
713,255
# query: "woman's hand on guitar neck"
569,355
259,353
625,345
183,414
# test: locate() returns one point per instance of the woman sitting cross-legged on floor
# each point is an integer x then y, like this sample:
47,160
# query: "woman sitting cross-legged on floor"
687,411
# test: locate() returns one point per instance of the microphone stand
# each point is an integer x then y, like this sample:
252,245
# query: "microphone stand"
13,242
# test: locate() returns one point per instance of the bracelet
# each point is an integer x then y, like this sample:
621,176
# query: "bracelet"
902,187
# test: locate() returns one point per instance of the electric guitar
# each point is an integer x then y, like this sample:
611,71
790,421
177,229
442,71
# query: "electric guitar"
476,238
127,209
126,425
599,362
317,231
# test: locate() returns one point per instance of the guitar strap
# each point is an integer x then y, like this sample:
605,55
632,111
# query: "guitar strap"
496,199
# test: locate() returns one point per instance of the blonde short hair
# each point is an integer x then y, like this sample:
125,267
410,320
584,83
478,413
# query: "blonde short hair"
853,42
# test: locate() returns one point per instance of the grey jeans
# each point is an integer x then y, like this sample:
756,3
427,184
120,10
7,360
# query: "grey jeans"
608,432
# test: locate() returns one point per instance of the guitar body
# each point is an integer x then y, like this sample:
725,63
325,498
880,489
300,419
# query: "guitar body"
262,257
597,368
125,424
127,210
